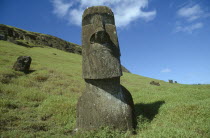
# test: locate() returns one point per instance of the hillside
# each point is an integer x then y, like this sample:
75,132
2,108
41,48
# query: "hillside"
42,103
31,39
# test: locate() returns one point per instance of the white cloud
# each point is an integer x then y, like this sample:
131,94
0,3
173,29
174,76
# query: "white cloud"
166,70
190,18
190,28
126,11
191,13
60,8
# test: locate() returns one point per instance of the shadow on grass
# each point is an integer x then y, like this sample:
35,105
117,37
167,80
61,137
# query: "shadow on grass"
148,111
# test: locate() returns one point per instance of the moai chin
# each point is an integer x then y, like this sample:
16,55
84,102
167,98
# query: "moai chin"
105,102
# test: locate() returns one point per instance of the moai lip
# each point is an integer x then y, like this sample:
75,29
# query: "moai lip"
104,102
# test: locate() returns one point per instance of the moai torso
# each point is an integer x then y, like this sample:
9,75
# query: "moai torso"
100,48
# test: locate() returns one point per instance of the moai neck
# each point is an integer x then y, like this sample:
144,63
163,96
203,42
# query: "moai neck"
109,87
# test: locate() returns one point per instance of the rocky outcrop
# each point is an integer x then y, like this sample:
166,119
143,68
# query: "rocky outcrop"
32,39
2,37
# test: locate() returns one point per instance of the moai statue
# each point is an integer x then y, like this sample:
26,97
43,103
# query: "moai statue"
22,64
170,81
105,102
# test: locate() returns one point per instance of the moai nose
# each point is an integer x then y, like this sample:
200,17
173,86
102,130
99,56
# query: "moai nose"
100,37
98,23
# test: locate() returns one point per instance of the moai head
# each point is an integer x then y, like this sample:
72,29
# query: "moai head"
22,64
170,81
100,47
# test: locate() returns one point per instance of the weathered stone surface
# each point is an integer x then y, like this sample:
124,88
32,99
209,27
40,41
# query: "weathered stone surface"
100,48
105,102
22,64
2,37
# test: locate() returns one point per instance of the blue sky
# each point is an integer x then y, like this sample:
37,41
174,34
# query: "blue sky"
161,39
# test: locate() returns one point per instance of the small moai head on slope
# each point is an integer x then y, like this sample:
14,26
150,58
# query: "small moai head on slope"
100,47
170,81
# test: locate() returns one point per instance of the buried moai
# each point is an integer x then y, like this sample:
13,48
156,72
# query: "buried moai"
22,64
104,102
170,81
155,83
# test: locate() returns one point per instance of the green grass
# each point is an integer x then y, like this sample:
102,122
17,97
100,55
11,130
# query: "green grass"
43,102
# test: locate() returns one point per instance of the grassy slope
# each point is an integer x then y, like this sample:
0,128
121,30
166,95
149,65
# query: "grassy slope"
43,102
